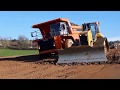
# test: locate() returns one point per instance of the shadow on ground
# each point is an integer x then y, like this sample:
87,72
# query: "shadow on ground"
28,58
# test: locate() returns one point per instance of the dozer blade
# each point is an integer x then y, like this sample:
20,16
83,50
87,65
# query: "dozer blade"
81,54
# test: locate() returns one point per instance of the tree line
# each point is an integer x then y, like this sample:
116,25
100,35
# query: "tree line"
21,43
24,43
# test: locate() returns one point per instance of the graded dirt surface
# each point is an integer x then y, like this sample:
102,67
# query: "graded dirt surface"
30,70
29,67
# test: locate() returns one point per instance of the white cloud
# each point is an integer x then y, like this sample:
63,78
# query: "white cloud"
114,38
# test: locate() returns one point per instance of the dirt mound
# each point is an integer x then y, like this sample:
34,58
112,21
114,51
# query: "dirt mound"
114,55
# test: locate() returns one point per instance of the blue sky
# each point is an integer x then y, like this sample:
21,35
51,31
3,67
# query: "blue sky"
15,23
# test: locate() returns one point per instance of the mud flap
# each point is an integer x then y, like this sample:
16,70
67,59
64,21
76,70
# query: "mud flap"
81,54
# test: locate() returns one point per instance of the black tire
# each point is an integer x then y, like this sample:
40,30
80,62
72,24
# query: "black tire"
55,57
68,43
44,56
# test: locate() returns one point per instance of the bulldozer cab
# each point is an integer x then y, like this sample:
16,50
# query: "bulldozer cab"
94,27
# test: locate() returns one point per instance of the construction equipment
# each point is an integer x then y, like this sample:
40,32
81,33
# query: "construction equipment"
66,42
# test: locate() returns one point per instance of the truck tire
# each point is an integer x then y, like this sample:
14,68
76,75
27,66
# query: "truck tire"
68,43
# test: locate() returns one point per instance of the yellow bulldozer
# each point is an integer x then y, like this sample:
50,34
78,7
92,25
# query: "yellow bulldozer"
66,42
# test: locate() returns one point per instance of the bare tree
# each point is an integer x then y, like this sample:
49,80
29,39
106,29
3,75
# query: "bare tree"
5,42
23,42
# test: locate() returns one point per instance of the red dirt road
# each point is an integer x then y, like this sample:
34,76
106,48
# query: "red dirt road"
28,67
31,70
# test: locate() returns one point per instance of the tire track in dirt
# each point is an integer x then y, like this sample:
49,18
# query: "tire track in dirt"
104,67
108,72
81,71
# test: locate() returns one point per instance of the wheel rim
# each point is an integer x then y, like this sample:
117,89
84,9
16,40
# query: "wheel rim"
68,43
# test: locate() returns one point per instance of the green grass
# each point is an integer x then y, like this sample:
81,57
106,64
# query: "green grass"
9,52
